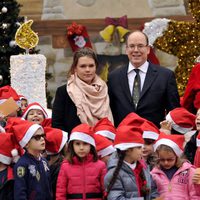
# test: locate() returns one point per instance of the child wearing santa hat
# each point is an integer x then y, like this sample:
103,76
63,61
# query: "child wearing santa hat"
7,154
81,175
191,146
23,103
105,128
150,135
173,175
56,147
35,113
178,121
31,172
7,92
104,147
128,176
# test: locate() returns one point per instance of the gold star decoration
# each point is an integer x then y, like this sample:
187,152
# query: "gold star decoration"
182,39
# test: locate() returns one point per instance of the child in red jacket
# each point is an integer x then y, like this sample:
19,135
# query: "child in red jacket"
81,175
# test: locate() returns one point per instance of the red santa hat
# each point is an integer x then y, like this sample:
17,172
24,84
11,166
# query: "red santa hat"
6,92
132,119
55,140
105,128
190,98
198,140
24,131
22,97
78,36
182,120
34,106
150,131
174,141
128,137
7,148
104,146
83,132
11,121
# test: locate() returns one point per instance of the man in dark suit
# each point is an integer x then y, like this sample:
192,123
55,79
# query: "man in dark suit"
157,85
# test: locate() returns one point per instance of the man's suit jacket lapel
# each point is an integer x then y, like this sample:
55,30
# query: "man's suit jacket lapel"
124,83
149,79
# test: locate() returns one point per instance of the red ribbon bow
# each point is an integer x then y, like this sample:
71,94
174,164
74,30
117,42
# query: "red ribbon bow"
74,29
122,21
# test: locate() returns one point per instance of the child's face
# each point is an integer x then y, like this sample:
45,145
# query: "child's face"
197,121
133,154
167,159
36,116
82,149
24,104
37,142
147,148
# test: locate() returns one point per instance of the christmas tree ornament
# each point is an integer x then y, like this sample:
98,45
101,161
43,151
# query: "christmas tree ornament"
77,36
1,79
4,26
12,43
18,24
25,37
4,10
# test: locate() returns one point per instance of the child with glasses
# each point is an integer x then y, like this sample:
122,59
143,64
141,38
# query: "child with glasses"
31,172
173,175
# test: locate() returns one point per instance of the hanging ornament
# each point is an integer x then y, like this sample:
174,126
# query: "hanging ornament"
4,26
17,24
4,10
12,43
1,79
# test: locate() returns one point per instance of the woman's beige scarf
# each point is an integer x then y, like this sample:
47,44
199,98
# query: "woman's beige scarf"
92,101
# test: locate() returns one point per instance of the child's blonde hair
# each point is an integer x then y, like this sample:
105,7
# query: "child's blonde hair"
179,159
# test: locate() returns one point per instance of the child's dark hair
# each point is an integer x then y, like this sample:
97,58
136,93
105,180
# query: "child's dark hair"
71,153
121,155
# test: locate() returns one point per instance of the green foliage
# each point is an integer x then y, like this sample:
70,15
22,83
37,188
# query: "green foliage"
9,23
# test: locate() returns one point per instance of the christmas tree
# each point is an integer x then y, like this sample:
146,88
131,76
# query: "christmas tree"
9,23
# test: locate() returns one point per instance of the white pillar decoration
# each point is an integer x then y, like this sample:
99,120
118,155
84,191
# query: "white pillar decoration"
28,77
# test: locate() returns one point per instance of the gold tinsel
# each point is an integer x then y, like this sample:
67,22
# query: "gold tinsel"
25,37
182,39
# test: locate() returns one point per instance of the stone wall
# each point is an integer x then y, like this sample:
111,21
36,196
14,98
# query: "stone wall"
59,60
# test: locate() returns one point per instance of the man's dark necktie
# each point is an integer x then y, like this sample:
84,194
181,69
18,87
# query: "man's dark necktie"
136,88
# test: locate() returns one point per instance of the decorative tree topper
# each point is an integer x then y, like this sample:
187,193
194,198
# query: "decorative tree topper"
25,37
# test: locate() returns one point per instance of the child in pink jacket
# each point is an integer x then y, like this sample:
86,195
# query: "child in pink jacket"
173,175
81,175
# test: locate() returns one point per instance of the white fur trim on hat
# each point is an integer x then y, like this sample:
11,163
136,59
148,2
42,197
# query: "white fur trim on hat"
64,140
106,133
150,135
5,159
177,127
125,146
37,108
28,135
169,143
83,137
104,152
2,101
198,142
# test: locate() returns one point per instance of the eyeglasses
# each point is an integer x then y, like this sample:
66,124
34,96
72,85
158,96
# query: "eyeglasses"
38,137
168,160
139,46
